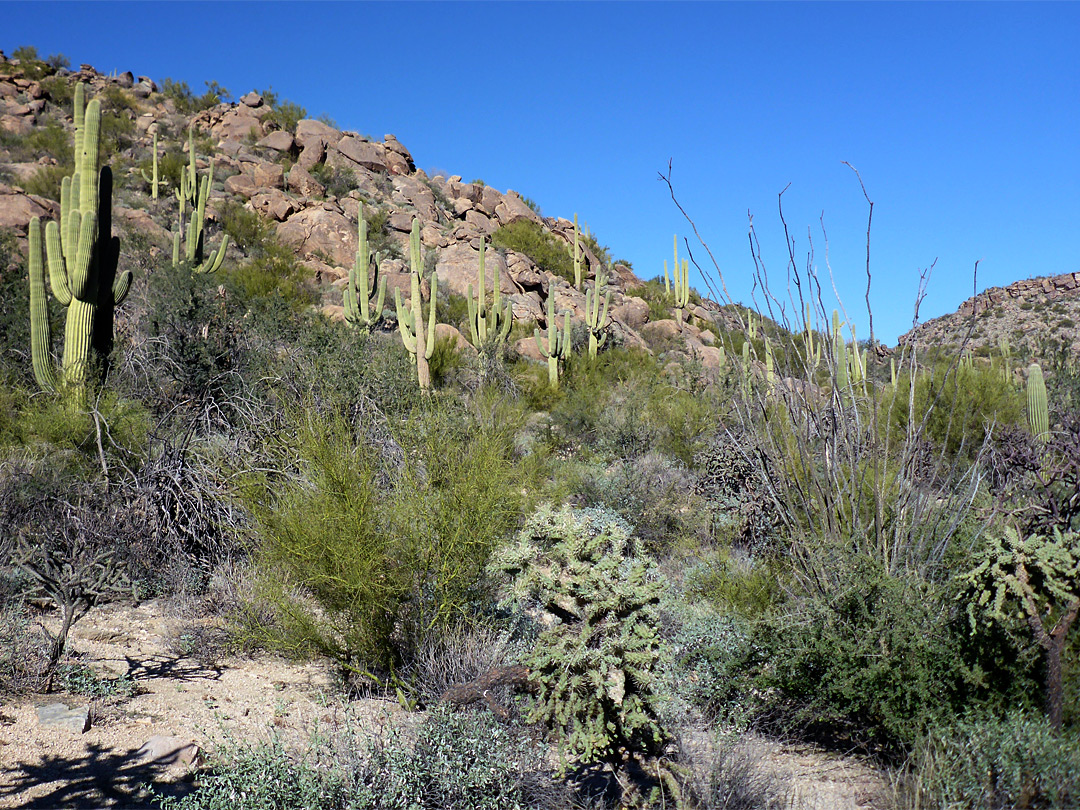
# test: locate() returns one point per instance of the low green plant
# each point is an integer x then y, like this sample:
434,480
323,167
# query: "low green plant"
994,763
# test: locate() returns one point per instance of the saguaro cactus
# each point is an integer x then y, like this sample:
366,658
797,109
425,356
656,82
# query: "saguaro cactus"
153,181
357,296
195,191
487,323
411,321
558,345
82,256
577,255
1038,408
595,319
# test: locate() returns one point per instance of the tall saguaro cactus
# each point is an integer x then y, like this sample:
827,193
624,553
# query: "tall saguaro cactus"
1038,408
595,319
411,321
195,191
577,255
154,181
357,296
82,255
558,343
487,323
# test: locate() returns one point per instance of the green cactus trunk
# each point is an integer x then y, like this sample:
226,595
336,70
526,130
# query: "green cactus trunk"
1038,407
411,321
576,255
357,296
558,343
82,254
484,323
595,318
195,191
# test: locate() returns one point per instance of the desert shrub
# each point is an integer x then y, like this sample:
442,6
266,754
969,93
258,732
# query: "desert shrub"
878,658
997,763
24,649
185,100
736,582
286,115
446,359
271,272
359,559
530,238
653,492
958,406
738,778
458,761
738,500
338,182
594,666
262,776
46,181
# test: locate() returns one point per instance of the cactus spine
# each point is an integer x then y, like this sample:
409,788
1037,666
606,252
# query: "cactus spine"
558,343
487,323
1038,408
577,255
154,182
411,321
595,319
82,255
195,191
358,309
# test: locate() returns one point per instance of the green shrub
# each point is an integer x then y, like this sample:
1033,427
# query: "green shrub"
596,663
530,238
186,102
994,764
338,183
358,557
461,760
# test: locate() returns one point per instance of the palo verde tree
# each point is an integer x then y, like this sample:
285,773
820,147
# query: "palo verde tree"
82,256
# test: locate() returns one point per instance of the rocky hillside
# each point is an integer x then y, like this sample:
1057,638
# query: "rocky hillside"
310,179
1037,317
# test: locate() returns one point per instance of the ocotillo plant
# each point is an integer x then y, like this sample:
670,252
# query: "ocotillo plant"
411,321
558,344
487,323
195,191
1038,408
577,255
595,319
153,181
357,296
82,255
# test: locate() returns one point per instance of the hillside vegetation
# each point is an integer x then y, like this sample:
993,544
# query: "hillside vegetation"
410,428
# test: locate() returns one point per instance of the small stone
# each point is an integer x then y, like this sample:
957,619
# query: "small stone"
59,715
166,750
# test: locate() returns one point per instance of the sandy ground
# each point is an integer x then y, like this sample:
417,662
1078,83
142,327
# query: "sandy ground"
184,701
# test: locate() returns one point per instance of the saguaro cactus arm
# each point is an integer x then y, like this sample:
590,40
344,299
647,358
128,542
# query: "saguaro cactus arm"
1038,407
357,296
411,320
40,332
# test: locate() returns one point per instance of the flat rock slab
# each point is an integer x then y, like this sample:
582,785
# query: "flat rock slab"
59,715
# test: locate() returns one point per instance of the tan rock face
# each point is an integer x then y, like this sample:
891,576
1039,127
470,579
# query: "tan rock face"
445,330
279,141
309,131
303,184
363,153
634,312
323,231
238,124
512,208
459,266
665,329
18,208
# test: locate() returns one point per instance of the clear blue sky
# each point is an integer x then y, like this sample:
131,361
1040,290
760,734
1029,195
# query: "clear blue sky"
962,118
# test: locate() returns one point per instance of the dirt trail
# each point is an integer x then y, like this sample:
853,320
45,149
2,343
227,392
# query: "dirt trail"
246,699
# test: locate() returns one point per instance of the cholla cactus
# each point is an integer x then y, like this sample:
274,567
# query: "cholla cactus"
82,255
594,665
357,295
411,321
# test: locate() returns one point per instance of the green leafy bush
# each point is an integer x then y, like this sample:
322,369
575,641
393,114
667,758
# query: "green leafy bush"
994,764
359,558
530,238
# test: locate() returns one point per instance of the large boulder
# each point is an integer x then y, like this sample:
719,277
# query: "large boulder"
512,208
411,191
323,230
237,125
17,208
303,184
458,266
363,153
